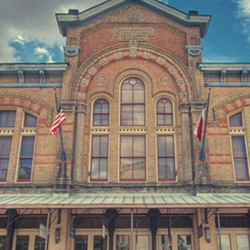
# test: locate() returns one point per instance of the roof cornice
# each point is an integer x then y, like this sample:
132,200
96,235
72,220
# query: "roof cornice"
79,19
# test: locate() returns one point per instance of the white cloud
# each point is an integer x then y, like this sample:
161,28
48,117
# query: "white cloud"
216,58
244,15
41,52
33,20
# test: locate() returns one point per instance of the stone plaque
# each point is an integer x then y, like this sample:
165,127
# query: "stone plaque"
133,34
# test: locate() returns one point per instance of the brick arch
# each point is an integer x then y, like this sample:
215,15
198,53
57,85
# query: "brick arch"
230,105
26,102
163,59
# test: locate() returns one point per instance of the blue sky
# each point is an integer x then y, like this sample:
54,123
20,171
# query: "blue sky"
29,32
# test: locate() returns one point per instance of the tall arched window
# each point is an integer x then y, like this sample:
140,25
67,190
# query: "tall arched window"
101,113
164,112
239,147
133,102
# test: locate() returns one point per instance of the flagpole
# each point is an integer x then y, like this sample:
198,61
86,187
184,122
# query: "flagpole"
63,153
202,153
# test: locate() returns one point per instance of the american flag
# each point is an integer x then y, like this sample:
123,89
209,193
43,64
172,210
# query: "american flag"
59,119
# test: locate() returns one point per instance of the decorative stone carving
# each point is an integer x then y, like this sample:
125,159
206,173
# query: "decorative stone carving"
133,34
184,95
81,107
194,50
68,106
180,81
147,55
165,79
184,107
92,70
172,69
118,55
42,77
85,82
160,60
72,50
21,77
81,96
104,61
101,80
133,48
133,14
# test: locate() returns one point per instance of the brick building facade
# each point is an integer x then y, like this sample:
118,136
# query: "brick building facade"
132,88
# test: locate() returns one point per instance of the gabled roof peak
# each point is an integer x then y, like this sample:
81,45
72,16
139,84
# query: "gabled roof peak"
74,18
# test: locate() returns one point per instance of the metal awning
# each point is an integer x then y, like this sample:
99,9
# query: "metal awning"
124,200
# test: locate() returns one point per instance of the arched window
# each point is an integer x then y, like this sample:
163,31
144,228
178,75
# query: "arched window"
101,113
27,149
239,148
164,112
133,102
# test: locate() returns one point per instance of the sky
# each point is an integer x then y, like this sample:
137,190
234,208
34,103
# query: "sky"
29,32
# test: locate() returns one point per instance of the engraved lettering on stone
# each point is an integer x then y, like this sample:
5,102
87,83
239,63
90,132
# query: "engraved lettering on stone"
104,61
92,70
160,60
165,79
172,69
133,49
133,34
180,81
85,82
118,55
146,55
101,80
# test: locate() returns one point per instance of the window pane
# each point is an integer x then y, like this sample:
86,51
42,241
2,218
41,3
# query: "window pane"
105,120
241,169
94,169
168,120
97,107
239,146
170,168
22,243
142,242
161,146
103,168
7,118
139,168
168,107
127,93
81,242
27,146
139,115
163,243
97,120
4,163
30,121
126,146
162,168
139,93
25,169
160,119
126,115
170,145
225,242
105,107
139,146
95,146
122,242
242,242
5,144
236,120
126,168
2,242
100,243
104,146
184,242
160,107
39,243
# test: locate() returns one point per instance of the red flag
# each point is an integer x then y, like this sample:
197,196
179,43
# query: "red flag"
198,127
59,119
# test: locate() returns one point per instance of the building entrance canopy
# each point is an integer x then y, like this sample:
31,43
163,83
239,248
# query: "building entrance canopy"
127,200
